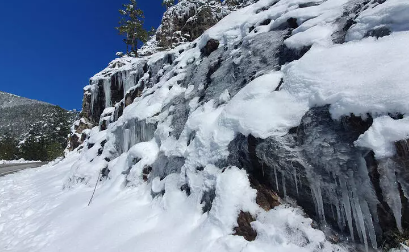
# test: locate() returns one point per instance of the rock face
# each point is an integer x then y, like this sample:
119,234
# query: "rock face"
187,20
315,162
24,120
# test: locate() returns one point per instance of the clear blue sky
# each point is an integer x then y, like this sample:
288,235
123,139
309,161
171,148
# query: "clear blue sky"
50,48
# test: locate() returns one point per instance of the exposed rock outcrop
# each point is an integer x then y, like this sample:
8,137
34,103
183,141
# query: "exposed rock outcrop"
187,20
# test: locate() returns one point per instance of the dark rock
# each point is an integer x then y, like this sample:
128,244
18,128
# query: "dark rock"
378,32
266,22
105,172
244,226
266,197
103,143
104,124
74,142
185,188
292,23
210,47
306,5
145,173
207,200
286,55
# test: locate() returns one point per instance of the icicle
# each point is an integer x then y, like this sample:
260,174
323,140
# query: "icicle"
275,175
347,207
93,95
295,179
133,135
284,189
356,209
369,224
340,218
123,83
126,140
127,82
332,211
107,92
320,202
315,185
390,190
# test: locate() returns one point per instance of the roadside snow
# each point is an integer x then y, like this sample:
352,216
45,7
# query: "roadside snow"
38,214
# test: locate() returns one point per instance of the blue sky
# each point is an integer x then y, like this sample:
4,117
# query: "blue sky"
50,48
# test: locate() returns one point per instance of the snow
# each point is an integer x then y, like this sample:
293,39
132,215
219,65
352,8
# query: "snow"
39,214
357,77
276,111
392,14
315,35
315,22
382,135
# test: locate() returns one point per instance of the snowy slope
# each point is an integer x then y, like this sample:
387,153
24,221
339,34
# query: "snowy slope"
308,98
9,100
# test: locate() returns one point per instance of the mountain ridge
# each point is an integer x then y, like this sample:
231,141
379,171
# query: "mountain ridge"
26,125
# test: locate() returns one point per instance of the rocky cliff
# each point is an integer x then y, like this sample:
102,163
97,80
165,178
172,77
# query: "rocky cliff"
307,97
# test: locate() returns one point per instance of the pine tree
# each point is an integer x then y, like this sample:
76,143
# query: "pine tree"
8,147
168,3
131,25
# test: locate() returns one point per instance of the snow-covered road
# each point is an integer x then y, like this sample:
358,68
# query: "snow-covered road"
11,168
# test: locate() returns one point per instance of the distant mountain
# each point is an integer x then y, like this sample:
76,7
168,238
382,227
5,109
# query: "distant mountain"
32,129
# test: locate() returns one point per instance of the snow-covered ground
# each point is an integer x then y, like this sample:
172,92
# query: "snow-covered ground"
38,214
